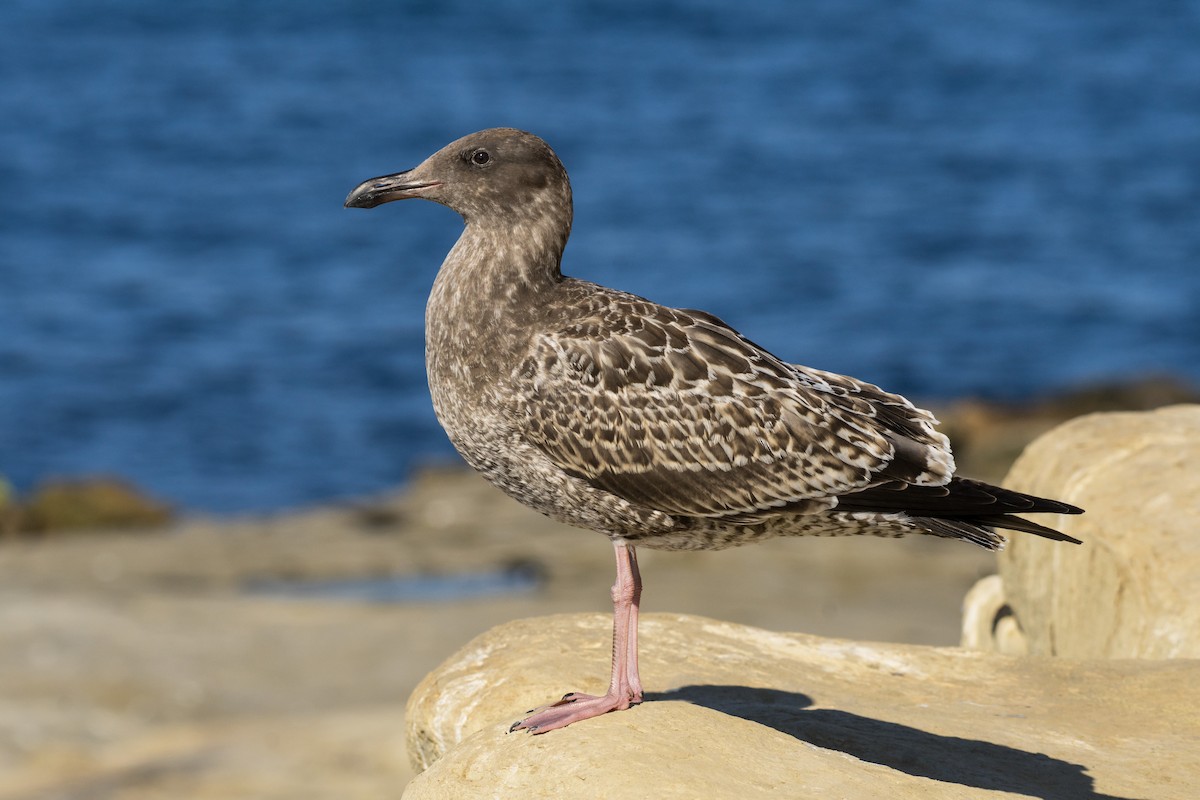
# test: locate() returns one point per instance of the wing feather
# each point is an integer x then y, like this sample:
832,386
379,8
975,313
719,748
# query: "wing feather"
674,411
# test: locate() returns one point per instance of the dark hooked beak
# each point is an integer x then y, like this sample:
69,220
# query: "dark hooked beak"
385,189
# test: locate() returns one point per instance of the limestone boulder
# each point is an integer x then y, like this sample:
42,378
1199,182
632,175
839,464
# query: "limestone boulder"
737,712
1132,589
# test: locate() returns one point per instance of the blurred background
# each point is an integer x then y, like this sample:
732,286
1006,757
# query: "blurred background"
979,205
948,199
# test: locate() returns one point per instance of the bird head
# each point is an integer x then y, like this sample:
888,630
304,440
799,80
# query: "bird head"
492,174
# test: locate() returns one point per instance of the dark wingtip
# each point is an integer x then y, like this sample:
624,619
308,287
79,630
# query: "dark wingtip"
1014,523
1043,505
1052,534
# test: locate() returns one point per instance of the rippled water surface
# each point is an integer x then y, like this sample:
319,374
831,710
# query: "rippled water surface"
942,197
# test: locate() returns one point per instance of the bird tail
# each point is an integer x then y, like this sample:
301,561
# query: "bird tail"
964,509
982,530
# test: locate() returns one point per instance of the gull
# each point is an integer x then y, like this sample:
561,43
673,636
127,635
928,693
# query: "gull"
658,427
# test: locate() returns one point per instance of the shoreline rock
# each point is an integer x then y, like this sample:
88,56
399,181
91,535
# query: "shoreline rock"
865,719
137,665
735,712
1131,590
80,504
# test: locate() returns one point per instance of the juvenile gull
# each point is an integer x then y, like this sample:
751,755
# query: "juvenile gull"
659,427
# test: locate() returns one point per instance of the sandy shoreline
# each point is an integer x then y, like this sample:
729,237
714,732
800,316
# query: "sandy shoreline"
140,664
112,644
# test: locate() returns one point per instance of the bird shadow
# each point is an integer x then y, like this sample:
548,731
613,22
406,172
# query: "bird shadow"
949,759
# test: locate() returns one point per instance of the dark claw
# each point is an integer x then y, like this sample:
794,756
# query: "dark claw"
513,727
568,696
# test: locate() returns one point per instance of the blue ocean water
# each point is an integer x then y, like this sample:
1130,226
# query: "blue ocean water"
945,198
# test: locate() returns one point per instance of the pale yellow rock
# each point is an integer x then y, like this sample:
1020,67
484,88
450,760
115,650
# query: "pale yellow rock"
987,620
736,712
1132,590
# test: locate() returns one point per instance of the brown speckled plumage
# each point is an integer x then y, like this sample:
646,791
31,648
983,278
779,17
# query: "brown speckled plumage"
659,427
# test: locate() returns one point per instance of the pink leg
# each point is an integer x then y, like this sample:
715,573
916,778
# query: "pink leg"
625,687
631,652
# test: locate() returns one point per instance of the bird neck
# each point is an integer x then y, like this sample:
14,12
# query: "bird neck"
508,254
494,278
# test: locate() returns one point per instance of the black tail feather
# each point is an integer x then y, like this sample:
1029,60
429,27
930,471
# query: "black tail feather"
1014,523
962,509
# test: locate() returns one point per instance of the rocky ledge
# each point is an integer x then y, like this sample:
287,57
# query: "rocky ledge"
738,712
1104,708
137,665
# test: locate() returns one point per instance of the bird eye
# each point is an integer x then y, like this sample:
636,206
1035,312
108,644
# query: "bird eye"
481,157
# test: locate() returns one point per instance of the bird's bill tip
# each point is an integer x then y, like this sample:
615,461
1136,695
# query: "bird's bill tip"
385,189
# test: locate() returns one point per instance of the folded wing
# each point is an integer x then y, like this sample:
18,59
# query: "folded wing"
675,411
